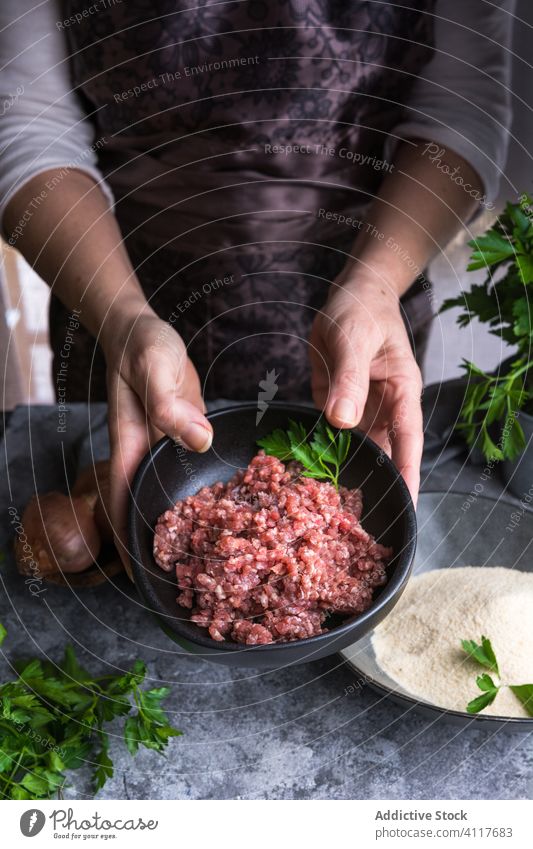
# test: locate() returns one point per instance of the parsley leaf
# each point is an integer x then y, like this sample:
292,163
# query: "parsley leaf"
104,765
490,691
321,456
502,302
132,734
490,249
484,653
524,692
53,719
481,702
277,444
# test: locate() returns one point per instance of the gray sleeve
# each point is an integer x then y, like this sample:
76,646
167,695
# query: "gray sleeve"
43,124
461,101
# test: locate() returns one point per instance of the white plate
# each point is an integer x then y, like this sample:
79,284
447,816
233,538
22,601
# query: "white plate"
456,530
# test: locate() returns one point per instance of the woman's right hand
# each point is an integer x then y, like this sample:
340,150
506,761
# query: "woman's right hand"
153,389
75,244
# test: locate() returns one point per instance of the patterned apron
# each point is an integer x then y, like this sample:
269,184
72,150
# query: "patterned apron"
235,137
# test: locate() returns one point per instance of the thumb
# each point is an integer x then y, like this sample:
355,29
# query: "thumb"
350,362
162,395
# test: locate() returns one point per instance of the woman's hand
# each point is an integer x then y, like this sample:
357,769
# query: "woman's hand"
364,372
153,389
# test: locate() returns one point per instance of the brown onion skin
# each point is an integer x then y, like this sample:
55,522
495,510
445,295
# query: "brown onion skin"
95,480
61,533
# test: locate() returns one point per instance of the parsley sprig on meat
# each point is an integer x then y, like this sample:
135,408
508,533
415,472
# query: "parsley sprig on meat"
54,719
321,453
483,653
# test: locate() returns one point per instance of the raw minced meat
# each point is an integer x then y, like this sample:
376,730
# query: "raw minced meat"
269,555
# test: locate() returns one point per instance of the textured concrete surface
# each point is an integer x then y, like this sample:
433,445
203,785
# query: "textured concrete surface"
292,733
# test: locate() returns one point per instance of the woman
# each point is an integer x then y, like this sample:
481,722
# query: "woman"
282,173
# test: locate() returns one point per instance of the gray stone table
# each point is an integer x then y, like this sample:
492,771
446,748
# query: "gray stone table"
300,732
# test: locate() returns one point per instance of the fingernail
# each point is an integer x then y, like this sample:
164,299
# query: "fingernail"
344,411
196,437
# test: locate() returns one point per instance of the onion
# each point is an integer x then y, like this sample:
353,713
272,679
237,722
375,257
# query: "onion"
59,534
95,480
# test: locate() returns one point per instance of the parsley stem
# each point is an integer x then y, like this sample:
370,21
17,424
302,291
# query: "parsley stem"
10,780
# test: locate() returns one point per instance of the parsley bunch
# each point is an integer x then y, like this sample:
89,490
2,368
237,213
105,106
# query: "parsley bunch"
53,719
321,457
483,654
502,302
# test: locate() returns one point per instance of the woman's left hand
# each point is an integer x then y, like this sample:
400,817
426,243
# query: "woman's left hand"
364,372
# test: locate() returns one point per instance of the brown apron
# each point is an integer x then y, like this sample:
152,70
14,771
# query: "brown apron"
227,133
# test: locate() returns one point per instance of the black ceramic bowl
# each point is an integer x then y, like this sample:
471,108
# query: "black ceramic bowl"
168,473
